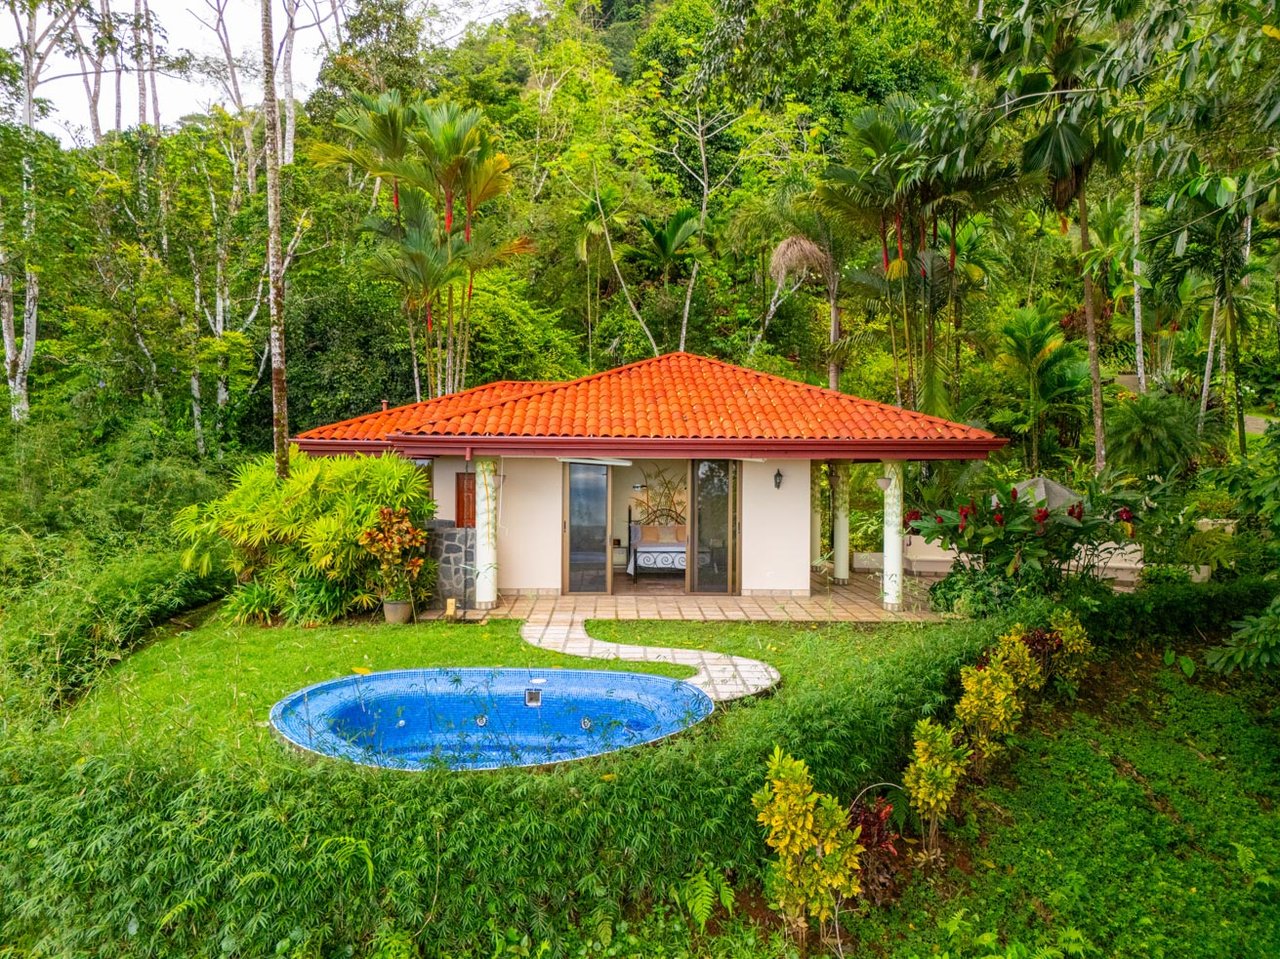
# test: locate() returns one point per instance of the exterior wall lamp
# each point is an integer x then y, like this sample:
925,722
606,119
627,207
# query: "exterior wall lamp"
777,480
884,483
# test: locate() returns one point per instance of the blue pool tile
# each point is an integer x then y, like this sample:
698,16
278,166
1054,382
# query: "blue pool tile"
478,718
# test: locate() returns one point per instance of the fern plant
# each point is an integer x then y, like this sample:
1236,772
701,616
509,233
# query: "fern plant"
700,892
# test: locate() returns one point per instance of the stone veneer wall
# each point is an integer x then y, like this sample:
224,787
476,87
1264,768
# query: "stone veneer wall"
454,551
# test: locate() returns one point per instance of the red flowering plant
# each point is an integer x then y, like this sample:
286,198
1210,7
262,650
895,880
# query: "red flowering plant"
397,544
1013,533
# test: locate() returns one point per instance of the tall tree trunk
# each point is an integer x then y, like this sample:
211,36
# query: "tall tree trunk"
1233,362
833,306
1208,368
1091,333
286,77
150,27
90,57
117,62
413,355
275,259
1139,341
138,61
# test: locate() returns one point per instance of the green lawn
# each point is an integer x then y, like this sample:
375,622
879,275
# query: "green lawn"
215,683
802,652
1142,817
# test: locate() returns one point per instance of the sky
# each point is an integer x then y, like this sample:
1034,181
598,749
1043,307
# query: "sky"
69,117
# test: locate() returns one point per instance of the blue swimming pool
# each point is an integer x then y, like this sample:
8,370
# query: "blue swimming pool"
485,718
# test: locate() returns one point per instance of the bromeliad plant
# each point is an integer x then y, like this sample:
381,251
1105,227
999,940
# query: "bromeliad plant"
397,544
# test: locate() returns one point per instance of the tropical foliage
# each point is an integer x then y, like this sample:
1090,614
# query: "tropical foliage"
297,547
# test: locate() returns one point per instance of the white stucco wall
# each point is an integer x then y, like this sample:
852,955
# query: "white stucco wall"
775,528
444,485
530,512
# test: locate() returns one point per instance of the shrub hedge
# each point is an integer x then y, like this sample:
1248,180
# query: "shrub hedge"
1169,610
65,630
160,853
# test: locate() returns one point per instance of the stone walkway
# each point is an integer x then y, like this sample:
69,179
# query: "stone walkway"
1256,425
720,676
558,623
856,602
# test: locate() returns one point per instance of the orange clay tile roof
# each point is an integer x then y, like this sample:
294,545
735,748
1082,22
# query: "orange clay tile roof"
676,398
376,427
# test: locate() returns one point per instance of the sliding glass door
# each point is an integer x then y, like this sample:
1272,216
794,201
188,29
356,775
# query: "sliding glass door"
588,563
713,545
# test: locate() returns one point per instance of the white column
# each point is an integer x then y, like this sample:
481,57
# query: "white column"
486,533
892,535
815,513
840,523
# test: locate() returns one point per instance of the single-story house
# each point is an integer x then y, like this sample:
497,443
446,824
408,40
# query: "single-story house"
678,465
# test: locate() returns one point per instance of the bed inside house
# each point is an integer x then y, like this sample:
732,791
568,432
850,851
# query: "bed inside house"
657,548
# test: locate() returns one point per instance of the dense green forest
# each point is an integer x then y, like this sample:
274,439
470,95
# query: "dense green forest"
1055,220
913,200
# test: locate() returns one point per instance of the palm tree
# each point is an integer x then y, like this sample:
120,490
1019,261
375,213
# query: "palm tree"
1208,233
868,194
450,143
670,243
1033,349
413,256
1047,55
380,127
441,159
1154,434
972,259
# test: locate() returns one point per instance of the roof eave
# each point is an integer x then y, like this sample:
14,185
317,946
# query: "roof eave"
334,447
659,447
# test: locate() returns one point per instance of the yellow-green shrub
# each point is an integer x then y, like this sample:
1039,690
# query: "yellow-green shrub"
990,708
809,831
1071,659
1014,656
934,774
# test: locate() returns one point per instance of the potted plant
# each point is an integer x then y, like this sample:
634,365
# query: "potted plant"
396,543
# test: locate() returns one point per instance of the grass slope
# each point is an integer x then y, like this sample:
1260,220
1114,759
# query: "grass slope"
1145,818
215,683
1140,822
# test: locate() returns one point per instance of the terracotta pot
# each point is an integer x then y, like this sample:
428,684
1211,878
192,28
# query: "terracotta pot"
397,611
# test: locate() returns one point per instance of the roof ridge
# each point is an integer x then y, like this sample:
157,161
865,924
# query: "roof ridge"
837,393
549,387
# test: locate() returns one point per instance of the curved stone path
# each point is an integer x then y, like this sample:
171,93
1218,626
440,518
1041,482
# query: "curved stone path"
720,676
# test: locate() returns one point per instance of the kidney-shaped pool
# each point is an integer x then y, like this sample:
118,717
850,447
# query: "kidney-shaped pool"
485,718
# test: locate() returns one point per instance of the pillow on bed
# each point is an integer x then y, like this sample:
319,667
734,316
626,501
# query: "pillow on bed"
669,535
650,534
